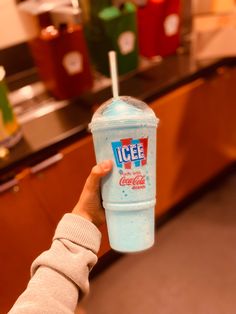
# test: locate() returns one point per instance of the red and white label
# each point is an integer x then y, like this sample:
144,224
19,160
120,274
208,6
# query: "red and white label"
126,42
134,180
73,62
171,24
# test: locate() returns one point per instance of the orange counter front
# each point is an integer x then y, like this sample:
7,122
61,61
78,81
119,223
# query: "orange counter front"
196,136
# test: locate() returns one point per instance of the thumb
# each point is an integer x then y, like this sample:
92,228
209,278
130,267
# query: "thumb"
97,172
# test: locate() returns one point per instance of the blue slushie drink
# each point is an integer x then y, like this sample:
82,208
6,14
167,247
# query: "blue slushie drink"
124,130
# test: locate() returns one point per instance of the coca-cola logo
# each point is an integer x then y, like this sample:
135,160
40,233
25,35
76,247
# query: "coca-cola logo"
136,182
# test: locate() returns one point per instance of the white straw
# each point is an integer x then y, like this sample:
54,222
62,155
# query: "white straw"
114,74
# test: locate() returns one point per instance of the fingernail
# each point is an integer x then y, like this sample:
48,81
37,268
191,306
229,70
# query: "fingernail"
106,165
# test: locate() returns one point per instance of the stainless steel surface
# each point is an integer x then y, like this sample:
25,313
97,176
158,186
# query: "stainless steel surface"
46,163
33,101
27,92
8,185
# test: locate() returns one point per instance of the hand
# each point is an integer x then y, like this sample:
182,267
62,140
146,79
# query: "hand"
89,205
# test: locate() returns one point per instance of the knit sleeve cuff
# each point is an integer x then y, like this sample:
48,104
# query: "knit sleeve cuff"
79,230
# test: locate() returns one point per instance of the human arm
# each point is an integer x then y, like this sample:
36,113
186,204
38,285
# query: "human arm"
60,275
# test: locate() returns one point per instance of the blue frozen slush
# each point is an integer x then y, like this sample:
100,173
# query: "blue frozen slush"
124,130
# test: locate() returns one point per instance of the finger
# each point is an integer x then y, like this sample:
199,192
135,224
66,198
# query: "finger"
97,172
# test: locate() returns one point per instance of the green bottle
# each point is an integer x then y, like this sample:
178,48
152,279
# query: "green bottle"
9,129
114,28
94,32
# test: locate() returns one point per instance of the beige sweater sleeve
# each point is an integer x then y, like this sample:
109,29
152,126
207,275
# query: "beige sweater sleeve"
60,275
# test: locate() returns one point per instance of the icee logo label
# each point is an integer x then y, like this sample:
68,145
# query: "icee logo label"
130,152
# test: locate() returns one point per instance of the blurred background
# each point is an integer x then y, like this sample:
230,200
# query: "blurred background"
179,56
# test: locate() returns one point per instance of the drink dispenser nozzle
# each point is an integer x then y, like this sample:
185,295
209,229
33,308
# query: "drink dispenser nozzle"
36,7
67,14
